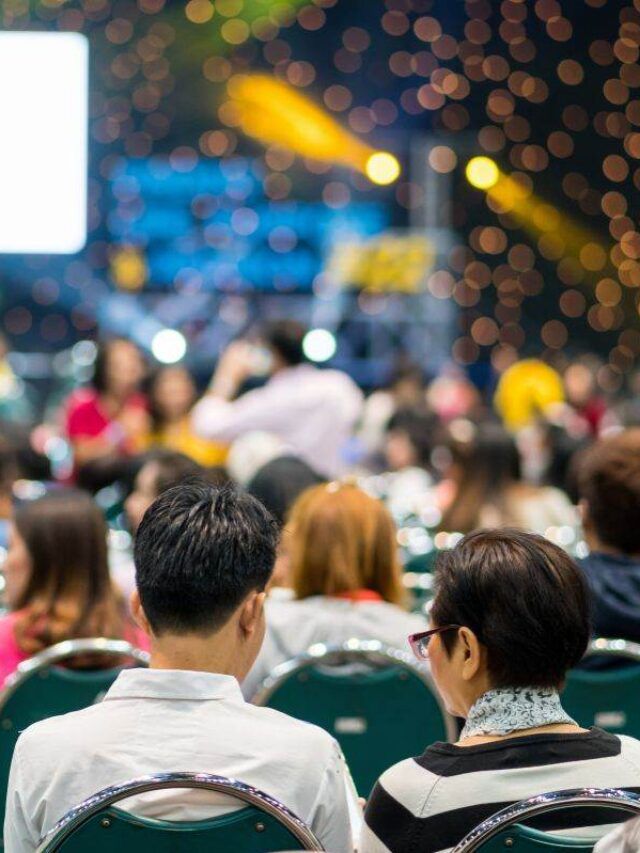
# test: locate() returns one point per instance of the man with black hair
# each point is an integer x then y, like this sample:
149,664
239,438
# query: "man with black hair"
313,411
203,559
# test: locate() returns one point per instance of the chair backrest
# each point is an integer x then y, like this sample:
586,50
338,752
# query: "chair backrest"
378,704
42,688
608,698
262,825
504,828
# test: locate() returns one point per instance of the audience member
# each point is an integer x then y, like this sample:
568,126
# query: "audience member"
406,390
510,617
160,470
488,490
109,420
345,576
172,395
57,583
609,488
203,559
278,483
623,839
313,411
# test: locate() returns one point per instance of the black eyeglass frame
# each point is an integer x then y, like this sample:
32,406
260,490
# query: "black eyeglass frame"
417,641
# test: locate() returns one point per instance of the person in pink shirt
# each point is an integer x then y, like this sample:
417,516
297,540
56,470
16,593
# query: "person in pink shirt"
57,583
109,419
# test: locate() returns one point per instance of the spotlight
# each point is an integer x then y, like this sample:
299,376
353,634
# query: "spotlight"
319,345
482,173
382,168
168,346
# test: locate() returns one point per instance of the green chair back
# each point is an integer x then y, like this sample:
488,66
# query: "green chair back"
608,698
380,712
248,830
260,824
508,828
43,691
525,839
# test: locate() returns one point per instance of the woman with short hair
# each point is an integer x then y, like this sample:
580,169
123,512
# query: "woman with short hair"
343,561
57,583
510,618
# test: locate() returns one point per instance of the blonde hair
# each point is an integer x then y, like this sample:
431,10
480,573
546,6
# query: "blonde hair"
341,539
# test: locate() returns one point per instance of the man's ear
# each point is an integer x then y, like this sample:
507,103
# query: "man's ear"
472,651
137,611
251,612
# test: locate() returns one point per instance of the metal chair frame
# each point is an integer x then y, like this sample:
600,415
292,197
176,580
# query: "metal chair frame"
369,652
64,651
543,803
79,815
614,648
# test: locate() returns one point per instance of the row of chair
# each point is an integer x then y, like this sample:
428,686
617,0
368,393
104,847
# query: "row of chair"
262,824
377,702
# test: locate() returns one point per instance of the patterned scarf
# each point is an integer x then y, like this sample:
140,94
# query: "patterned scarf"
512,709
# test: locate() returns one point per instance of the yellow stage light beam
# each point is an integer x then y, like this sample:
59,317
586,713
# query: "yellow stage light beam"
274,113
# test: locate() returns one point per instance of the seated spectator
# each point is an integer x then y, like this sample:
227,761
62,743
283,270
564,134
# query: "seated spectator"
172,394
345,576
108,421
160,470
203,559
487,489
609,488
510,617
57,583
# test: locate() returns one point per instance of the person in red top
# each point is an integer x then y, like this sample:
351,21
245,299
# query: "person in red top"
110,419
57,583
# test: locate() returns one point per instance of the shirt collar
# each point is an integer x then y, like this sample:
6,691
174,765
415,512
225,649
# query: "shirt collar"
142,683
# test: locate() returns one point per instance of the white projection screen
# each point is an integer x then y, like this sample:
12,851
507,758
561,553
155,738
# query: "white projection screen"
43,142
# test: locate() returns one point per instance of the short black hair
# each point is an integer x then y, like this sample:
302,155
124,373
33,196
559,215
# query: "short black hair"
420,427
278,483
198,552
524,598
286,337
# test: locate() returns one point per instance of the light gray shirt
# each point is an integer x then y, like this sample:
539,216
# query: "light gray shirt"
313,411
293,626
154,721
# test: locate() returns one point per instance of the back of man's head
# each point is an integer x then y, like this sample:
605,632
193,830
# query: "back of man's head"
286,338
609,483
199,552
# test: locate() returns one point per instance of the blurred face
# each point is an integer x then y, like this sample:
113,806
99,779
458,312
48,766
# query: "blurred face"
579,384
174,394
399,451
125,369
143,495
17,568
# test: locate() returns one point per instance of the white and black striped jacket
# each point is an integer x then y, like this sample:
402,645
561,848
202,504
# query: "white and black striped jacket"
430,803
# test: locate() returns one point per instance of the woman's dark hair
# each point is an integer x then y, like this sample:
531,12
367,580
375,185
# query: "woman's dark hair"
524,598
286,337
69,592
278,483
487,464
100,371
420,428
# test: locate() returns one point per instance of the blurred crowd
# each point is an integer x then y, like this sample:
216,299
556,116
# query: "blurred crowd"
441,455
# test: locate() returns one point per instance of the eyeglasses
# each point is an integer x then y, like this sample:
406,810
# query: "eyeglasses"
420,642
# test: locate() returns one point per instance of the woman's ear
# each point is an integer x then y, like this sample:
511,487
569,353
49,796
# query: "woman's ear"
472,651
